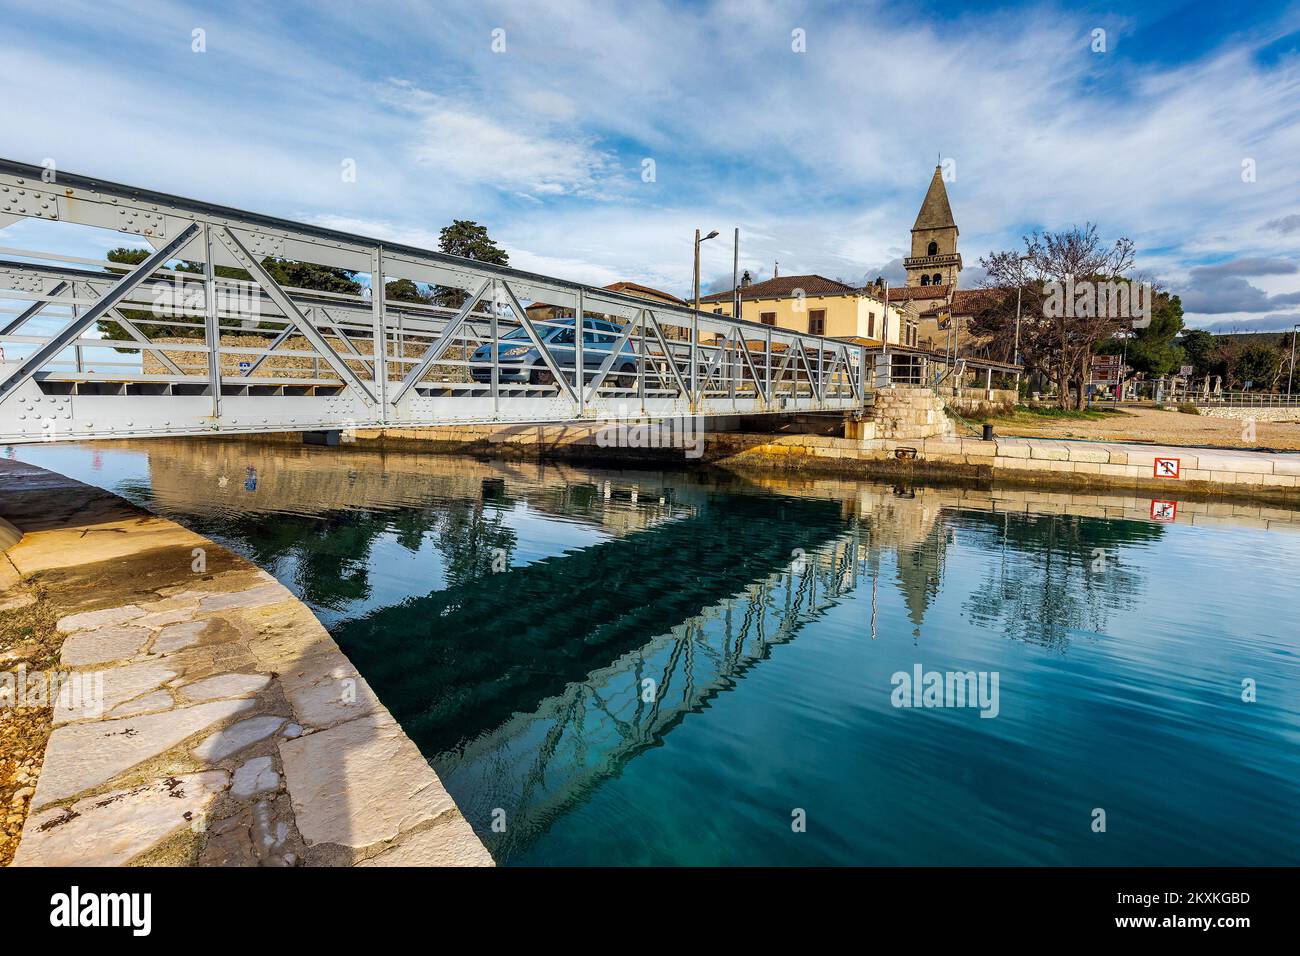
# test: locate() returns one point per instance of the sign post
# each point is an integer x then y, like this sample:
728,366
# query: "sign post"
1108,371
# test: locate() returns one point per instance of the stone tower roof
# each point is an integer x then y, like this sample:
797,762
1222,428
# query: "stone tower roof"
935,212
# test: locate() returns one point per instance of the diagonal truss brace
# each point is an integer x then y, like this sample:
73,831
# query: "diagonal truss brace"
32,310
682,388
291,312
436,349
541,346
759,386
714,367
72,331
616,349
813,381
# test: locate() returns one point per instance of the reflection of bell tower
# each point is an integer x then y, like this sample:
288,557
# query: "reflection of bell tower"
934,259
920,574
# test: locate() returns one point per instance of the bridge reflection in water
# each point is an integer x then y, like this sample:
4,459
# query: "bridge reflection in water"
533,685
540,630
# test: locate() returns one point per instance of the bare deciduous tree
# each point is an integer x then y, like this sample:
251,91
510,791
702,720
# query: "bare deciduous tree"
1057,345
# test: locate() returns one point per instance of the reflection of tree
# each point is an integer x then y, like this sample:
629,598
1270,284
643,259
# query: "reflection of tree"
468,536
1056,573
330,552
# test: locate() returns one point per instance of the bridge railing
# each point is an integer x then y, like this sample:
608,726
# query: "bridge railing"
201,337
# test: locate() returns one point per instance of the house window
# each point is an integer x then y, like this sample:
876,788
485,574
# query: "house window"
925,280
871,325
938,279
933,250
817,322
718,311
767,318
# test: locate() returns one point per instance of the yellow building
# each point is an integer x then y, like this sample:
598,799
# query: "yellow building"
817,305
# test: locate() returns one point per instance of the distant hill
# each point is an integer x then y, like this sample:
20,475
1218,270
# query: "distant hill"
1267,338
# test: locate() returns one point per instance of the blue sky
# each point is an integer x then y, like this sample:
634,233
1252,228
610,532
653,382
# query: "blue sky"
820,157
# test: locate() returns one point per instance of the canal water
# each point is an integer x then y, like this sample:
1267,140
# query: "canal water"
641,667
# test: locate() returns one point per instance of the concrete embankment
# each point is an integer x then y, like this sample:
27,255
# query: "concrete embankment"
201,715
1152,469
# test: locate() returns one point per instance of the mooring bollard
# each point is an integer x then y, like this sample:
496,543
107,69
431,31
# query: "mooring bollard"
988,432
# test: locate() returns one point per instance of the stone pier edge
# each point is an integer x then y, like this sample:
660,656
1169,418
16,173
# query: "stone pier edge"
339,779
1029,462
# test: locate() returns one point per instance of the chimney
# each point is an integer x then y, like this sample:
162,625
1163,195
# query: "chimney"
746,280
776,269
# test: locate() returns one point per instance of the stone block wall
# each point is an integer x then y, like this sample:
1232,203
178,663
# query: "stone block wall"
1252,413
969,401
294,366
905,413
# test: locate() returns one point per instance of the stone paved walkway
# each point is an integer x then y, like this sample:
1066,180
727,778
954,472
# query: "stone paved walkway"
208,718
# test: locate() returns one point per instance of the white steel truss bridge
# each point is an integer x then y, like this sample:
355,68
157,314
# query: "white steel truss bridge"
97,349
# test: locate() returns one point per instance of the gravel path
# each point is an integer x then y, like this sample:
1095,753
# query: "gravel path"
1162,427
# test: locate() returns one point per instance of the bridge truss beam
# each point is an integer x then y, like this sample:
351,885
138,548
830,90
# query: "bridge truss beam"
204,354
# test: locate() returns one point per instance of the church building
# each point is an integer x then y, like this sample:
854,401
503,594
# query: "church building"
935,260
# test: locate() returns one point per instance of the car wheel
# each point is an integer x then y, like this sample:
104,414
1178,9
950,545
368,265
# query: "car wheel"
541,376
626,375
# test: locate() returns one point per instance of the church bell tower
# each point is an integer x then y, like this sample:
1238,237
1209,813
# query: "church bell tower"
934,259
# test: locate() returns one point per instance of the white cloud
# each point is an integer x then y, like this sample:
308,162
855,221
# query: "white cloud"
821,157
466,143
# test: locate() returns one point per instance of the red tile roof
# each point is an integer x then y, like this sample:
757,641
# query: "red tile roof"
783,287
627,288
908,293
643,291
968,302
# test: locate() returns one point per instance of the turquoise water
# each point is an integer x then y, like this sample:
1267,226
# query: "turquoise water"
672,668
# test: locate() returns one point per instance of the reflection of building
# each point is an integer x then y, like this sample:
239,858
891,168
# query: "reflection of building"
909,525
920,573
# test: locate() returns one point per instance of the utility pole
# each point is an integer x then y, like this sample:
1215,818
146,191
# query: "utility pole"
735,277
884,335
698,240
1290,374
1020,285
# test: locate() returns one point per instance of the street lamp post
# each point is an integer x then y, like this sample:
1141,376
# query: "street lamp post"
698,240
